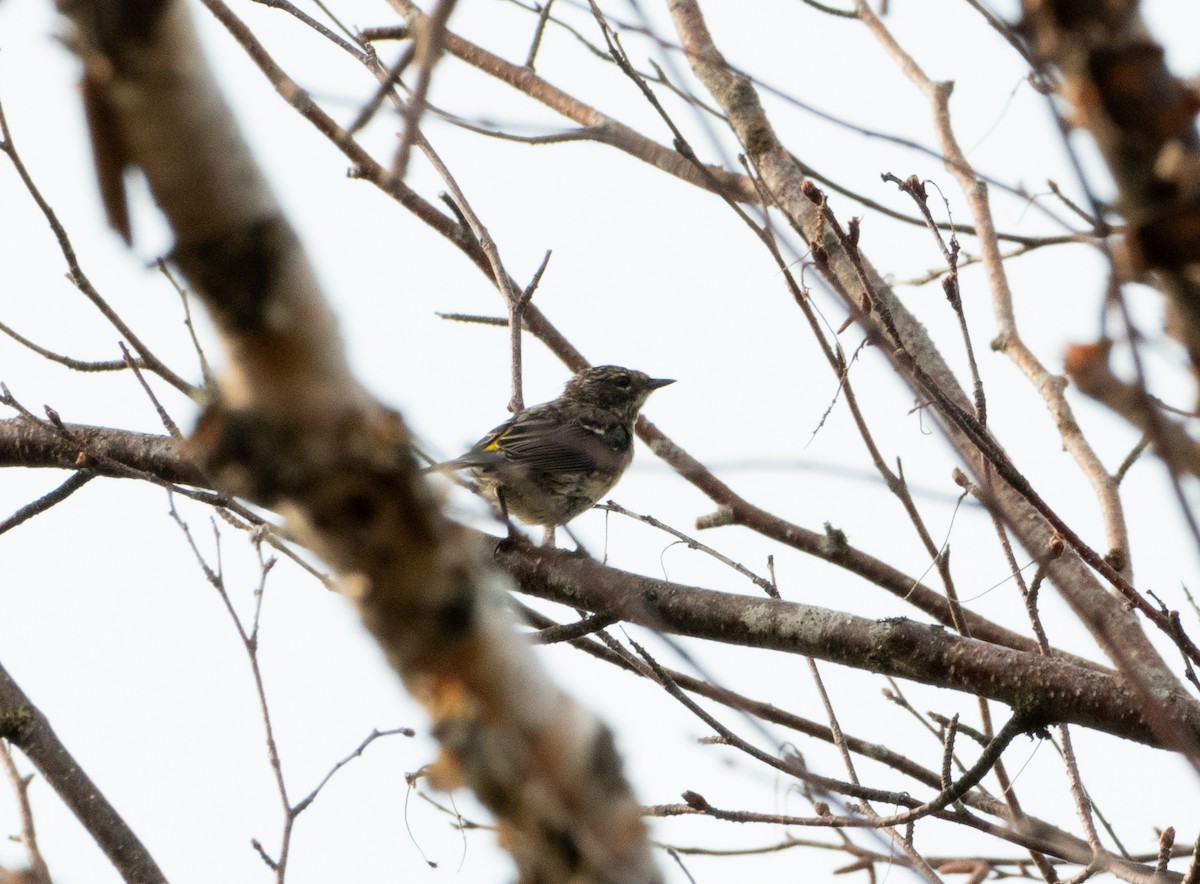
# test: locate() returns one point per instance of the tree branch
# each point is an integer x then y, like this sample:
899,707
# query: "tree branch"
23,725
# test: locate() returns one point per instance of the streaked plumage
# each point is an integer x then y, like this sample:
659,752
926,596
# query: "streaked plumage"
553,461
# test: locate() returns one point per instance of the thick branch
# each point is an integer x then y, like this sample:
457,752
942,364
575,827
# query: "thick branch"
27,443
1047,690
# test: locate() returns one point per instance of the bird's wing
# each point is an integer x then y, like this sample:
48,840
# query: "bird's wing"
541,442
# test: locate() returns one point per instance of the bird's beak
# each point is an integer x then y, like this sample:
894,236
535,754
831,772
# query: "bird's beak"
655,383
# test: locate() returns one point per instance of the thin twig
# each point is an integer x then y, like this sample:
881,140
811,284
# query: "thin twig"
249,638
73,364
692,543
382,90
75,273
185,301
354,48
539,31
430,37
308,799
46,501
516,302
570,632
38,872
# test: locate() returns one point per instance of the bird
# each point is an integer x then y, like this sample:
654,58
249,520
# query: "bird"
550,462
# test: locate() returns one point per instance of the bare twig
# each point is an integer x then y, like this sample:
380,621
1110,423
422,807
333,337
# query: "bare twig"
429,33
39,872
539,31
692,543
308,799
75,273
516,303
46,501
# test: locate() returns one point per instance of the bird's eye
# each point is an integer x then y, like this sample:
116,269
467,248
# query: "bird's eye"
623,381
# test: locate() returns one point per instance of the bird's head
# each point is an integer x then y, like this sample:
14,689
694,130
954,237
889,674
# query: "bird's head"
609,386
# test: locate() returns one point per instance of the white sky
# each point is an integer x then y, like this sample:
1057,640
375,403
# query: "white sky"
113,632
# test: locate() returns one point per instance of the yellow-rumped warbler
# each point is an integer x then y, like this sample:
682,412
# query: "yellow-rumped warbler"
549,463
